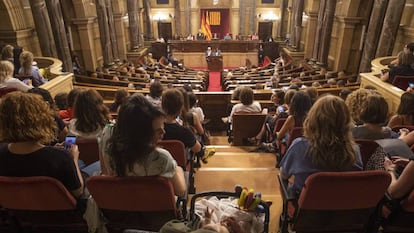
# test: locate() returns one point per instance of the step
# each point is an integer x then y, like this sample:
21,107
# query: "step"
241,160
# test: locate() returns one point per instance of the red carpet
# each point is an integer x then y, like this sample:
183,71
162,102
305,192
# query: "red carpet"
214,81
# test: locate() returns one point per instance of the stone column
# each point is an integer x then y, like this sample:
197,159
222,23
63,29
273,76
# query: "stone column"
343,46
283,4
119,31
390,27
310,33
105,37
326,31
133,19
242,16
58,27
177,17
85,28
319,26
149,32
112,28
298,23
43,28
292,23
188,24
253,19
373,34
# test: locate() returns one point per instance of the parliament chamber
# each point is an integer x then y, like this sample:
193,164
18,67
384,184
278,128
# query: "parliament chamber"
274,45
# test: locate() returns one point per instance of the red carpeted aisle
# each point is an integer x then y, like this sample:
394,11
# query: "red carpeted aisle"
214,81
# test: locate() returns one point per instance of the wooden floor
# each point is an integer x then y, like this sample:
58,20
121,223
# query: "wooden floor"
233,165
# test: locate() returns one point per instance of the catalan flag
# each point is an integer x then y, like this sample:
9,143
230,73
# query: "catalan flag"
205,25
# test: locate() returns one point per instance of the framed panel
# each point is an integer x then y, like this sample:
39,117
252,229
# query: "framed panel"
163,1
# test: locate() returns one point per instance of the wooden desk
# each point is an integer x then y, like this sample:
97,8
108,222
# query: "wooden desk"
215,63
240,46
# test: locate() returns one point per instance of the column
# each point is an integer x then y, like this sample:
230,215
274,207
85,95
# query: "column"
326,31
149,33
298,23
119,31
318,33
242,16
373,34
112,28
133,19
105,37
85,28
344,50
253,20
282,18
177,17
43,28
58,27
188,24
310,32
390,27
292,23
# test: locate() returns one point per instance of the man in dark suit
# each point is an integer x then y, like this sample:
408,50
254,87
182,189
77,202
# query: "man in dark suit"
200,35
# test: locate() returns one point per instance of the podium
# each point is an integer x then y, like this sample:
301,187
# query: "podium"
215,63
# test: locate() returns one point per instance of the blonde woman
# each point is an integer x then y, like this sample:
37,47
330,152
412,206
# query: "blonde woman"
27,68
7,80
327,144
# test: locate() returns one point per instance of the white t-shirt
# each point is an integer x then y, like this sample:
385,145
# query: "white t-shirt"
254,107
15,83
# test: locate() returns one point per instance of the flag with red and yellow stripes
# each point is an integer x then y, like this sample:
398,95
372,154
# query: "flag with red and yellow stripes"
205,25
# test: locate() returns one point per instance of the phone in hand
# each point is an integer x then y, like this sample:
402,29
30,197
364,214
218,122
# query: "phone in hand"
411,84
69,141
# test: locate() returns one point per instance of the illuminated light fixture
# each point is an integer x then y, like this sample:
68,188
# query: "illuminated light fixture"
215,2
270,16
160,16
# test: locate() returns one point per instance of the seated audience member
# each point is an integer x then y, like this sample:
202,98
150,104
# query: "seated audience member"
27,132
62,130
67,114
155,93
190,119
61,100
120,97
405,112
327,144
298,110
227,36
280,111
27,68
194,106
7,53
355,101
90,115
402,69
255,36
402,186
7,80
247,103
172,104
373,115
408,48
130,148
344,93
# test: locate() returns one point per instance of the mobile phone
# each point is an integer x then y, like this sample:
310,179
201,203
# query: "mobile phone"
411,84
69,141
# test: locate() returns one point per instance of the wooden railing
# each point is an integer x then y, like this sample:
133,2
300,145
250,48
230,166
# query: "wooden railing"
391,93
